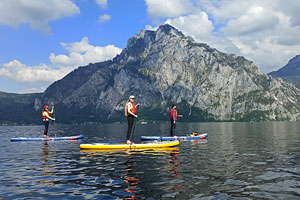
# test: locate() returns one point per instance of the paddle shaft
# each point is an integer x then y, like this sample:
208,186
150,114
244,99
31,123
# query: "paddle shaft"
132,136
54,118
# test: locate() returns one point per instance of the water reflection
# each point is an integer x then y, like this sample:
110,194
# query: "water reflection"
174,163
129,166
130,177
45,160
237,161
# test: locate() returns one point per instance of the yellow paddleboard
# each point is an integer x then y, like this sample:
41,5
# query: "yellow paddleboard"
129,146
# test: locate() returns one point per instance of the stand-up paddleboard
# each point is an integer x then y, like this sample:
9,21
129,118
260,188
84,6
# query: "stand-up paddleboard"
45,139
129,146
198,137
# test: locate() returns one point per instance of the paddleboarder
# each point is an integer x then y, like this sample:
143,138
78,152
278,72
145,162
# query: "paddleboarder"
173,115
46,116
130,113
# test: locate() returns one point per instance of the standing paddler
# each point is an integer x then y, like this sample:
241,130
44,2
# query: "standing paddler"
173,115
130,113
46,117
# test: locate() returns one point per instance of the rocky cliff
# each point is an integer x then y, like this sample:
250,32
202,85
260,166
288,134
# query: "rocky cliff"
163,67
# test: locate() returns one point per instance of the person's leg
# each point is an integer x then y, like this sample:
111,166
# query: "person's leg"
130,119
46,128
172,128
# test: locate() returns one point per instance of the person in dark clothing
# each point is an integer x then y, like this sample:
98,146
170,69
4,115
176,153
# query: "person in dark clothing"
173,115
130,112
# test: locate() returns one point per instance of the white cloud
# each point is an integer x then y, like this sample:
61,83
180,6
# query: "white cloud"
82,53
167,8
32,90
37,13
265,31
102,3
201,27
21,73
104,18
256,19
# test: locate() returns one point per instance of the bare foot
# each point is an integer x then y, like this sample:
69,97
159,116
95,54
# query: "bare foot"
129,142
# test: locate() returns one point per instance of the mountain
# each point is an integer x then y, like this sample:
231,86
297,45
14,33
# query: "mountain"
19,108
163,67
160,68
290,72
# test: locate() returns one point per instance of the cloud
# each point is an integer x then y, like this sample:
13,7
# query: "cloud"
21,73
104,18
37,13
32,90
201,27
256,19
80,54
167,8
289,8
102,3
265,31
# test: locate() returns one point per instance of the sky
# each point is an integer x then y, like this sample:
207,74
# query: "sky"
41,41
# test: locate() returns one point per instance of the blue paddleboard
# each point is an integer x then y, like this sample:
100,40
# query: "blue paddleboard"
45,139
198,137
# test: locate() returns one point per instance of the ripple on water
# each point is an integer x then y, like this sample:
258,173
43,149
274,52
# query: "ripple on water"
279,173
235,182
105,197
115,183
282,186
123,193
268,195
259,163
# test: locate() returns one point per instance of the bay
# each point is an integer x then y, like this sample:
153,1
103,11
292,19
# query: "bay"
236,161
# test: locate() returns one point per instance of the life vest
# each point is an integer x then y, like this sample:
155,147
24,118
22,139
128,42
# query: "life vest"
132,109
44,116
171,113
195,134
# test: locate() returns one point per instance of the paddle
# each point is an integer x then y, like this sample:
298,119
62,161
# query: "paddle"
54,118
53,113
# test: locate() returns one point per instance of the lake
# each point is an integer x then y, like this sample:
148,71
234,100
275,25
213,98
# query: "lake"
236,161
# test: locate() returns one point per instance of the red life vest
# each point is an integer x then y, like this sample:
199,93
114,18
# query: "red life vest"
132,109
44,116
171,113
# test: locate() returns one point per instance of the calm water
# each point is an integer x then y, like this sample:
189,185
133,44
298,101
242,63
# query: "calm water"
237,161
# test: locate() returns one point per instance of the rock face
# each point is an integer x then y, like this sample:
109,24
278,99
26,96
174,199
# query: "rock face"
290,72
163,67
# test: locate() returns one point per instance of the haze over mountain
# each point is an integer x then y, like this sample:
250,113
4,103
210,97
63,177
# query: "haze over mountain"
163,67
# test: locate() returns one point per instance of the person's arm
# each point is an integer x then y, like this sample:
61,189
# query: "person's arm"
48,116
174,115
52,110
129,107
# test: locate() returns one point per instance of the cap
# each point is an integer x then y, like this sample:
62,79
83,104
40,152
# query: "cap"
131,97
46,107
